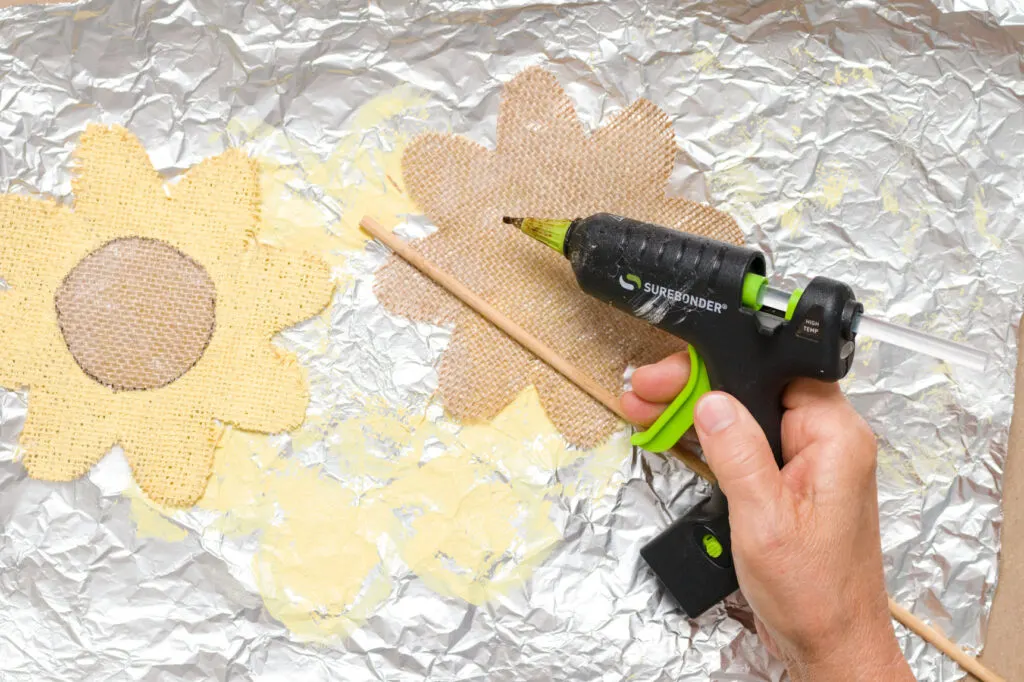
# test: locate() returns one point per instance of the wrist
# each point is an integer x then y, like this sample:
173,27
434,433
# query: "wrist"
870,656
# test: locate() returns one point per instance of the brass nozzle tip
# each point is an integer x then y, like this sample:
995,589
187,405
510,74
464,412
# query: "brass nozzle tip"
515,222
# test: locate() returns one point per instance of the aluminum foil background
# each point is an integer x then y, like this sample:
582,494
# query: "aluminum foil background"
873,142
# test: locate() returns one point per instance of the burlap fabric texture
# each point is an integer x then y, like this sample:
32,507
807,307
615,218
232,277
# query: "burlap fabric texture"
545,165
166,405
136,314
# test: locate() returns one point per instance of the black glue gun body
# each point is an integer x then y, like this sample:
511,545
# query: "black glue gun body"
710,294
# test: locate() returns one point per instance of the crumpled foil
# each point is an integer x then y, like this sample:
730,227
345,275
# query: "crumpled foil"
876,143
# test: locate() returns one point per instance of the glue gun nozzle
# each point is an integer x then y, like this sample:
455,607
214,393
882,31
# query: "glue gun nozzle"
548,231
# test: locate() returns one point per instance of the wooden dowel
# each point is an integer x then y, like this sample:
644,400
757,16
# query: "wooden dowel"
603,396
929,634
517,333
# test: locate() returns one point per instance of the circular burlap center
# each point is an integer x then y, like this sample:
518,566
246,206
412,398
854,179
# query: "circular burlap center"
136,313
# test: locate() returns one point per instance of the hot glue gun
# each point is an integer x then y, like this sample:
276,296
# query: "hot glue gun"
745,338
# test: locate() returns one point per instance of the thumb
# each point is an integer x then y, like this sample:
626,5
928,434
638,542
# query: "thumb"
737,451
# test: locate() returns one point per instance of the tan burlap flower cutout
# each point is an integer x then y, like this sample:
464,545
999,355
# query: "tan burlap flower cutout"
545,165
144,316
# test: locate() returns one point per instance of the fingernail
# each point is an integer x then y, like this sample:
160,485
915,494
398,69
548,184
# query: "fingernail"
714,413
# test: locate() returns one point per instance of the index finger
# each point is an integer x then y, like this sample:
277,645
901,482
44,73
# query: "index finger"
802,392
662,381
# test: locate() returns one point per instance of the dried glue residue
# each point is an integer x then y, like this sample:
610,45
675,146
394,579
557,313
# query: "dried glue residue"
833,186
890,202
737,188
745,133
466,508
315,203
917,463
486,507
152,520
704,60
791,219
316,568
918,216
981,218
290,218
479,495
738,192
831,183
857,74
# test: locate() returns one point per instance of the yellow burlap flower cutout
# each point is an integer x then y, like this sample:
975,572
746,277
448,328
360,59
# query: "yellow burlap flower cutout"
545,165
144,315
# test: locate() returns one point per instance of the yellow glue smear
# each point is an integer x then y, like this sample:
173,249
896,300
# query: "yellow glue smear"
705,61
738,192
856,74
316,567
981,218
890,202
151,520
467,509
830,186
362,175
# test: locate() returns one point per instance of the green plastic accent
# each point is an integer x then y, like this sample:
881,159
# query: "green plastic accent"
712,546
678,418
547,231
753,286
794,298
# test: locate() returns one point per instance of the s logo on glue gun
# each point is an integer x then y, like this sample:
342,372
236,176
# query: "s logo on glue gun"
745,338
630,282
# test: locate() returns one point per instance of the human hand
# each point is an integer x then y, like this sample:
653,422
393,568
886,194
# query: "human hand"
805,539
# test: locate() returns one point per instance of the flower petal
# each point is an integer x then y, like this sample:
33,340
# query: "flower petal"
287,287
9,308
588,424
269,391
38,241
544,165
692,216
32,350
217,209
534,109
171,459
117,190
63,435
483,370
447,176
639,176
405,291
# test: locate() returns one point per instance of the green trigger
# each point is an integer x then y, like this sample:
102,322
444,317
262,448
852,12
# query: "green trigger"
678,418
